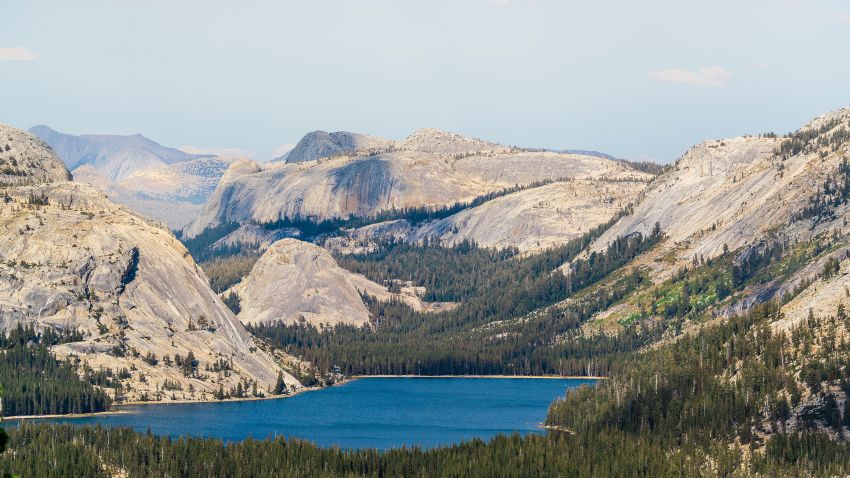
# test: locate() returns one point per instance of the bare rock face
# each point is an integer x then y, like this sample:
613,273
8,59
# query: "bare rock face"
295,280
736,191
25,159
71,259
321,144
430,170
239,168
537,218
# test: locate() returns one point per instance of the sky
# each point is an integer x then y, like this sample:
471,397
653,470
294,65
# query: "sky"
640,80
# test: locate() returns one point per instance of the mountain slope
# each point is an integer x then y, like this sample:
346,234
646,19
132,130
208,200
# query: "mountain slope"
25,159
430,168
536,218
737,191
70,259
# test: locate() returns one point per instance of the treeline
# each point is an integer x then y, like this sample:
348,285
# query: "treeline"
35,382
834,192
649,167
464,271
807,141
200,246
311,227
62,450
226,272
490,331
52,450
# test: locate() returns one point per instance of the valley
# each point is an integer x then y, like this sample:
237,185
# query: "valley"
711,294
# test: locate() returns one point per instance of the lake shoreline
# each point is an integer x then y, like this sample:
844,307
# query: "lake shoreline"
380,414
554,377
119,406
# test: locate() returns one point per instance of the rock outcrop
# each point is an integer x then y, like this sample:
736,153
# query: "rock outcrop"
24,159
537,218
321,144
431,168
296,281
71,259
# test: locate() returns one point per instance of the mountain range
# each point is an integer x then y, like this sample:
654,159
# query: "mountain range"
712,293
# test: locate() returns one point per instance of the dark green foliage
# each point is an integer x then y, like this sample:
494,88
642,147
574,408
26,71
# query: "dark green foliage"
40,200
649,167
226,272
807,141
280,385
684,394
232,302
481,335
36,383
200,246
807,451
834,192
188,364
62,450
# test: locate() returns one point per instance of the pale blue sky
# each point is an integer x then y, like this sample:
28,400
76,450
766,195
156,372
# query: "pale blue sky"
633,79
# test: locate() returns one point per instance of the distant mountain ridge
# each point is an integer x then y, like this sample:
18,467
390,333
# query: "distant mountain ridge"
155,180
113,156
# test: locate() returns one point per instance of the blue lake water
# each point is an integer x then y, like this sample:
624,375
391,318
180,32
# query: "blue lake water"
364,413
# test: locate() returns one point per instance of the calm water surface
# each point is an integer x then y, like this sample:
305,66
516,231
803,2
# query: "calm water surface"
368,412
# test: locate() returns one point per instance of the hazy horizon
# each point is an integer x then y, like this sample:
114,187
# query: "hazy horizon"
252,79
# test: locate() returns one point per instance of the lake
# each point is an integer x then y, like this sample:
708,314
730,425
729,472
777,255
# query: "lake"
363,413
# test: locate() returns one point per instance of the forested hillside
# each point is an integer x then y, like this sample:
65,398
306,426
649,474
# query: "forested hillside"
482,335
35,382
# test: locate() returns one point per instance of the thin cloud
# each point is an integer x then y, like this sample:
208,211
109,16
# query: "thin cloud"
708,76
17,53
845,19
224,152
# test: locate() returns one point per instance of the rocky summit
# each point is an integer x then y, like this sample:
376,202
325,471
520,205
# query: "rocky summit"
296,281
